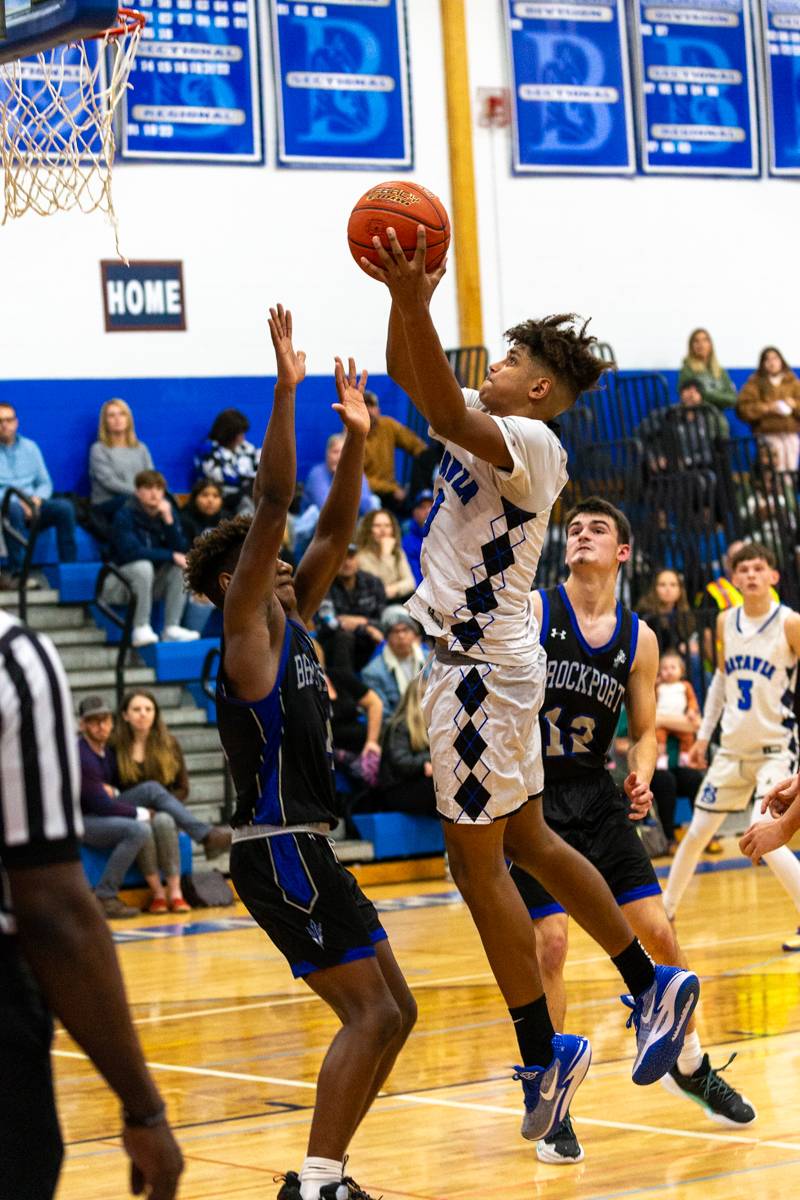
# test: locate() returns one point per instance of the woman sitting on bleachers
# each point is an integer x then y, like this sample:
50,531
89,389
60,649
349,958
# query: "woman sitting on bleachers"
115,459
380,552
406,775
147,752
701,364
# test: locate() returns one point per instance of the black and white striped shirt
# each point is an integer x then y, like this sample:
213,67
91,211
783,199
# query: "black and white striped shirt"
40,818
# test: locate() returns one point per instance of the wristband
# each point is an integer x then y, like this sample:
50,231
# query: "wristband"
156,1118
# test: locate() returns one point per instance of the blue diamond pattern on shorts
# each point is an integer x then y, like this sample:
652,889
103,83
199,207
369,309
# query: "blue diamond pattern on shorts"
471,691
472,796
488,576
470,745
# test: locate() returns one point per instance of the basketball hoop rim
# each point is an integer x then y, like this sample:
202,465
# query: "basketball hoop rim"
128,21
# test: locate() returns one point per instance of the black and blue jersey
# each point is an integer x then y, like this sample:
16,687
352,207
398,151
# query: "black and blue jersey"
279,749
584,688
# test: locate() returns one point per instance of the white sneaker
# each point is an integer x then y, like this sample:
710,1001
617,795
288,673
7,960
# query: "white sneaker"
143,635
176,633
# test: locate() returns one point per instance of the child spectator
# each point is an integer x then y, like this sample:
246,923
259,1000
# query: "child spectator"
406,775
677,712
415,531
380,552
770,404
701,364
390,672
665,608
147,544
203,510
116,458
228,459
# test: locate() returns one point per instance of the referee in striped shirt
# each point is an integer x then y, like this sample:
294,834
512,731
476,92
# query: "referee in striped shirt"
55,949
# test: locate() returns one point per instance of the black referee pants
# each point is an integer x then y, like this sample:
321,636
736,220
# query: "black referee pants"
31,1148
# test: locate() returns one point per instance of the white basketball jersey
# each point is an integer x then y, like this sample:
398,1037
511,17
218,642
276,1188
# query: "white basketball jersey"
760,680
483,541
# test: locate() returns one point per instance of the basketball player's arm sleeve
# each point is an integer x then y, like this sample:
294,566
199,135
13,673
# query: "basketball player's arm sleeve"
712,709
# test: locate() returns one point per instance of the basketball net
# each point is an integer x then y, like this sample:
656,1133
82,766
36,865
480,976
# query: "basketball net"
56,125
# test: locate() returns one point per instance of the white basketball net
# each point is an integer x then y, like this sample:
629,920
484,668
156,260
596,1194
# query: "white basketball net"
56,134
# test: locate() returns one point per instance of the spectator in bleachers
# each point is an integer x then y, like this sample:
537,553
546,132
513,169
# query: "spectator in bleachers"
23,467
385,437
115,459
406,776
381,553
677,712
203,510
122,817
415,531
401,658
701,364
770,404
320,477
229,459
148,546
684,436
665,608
350,623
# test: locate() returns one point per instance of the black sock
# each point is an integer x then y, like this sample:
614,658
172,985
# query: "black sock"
534,1031
636,967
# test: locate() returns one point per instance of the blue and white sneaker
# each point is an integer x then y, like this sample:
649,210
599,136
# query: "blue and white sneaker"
549,1090
660,1015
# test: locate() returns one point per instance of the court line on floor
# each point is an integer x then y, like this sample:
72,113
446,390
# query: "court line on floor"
466,1105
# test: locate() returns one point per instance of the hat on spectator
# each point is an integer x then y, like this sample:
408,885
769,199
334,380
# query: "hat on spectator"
425,494
94,706
352,548
396,615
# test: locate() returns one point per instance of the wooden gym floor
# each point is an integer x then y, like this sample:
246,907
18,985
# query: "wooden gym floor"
235,1045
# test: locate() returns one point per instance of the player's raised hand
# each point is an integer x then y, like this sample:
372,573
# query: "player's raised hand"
761,838
778,798
406,279
640,796
291,363
350,389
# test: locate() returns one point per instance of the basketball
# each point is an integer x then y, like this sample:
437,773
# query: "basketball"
403,206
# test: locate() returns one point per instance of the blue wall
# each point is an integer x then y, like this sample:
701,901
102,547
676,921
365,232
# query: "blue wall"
173,417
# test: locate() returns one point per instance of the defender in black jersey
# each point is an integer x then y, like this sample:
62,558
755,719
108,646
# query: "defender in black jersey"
600,657
273,714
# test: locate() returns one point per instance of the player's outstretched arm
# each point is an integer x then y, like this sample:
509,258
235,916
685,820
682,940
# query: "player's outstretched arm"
640,704
253,581
337,520
435,391
399,359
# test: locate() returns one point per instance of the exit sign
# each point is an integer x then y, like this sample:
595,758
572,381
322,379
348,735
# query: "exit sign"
143,296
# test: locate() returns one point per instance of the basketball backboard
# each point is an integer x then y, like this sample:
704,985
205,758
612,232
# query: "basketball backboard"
27,26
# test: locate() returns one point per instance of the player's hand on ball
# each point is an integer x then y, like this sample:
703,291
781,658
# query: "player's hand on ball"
640,796
761,838
291,362
778,799
405,279
350,388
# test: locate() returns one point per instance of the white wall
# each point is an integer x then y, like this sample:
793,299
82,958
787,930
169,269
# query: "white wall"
646,258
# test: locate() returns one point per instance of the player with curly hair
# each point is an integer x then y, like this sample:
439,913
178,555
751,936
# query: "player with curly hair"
273,714
502,470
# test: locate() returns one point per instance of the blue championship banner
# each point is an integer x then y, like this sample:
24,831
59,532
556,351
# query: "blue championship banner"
341,77
696,87
571,91
194,84
780,21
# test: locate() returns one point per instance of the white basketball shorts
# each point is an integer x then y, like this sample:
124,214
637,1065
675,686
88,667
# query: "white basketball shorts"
731,782
483,727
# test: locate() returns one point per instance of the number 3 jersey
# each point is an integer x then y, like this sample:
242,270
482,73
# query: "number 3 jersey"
760,678
584,688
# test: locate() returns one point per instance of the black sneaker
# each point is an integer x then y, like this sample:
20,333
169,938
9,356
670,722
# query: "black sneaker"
706,1087
291,1186
561,1145
348,1189
792,944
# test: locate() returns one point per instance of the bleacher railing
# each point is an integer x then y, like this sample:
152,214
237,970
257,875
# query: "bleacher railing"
28,542
124,622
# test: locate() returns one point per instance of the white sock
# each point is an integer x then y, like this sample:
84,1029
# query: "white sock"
703,827
316,1173
691,1055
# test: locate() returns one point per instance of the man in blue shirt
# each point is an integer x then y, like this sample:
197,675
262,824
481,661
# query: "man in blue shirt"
414,531
22,467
